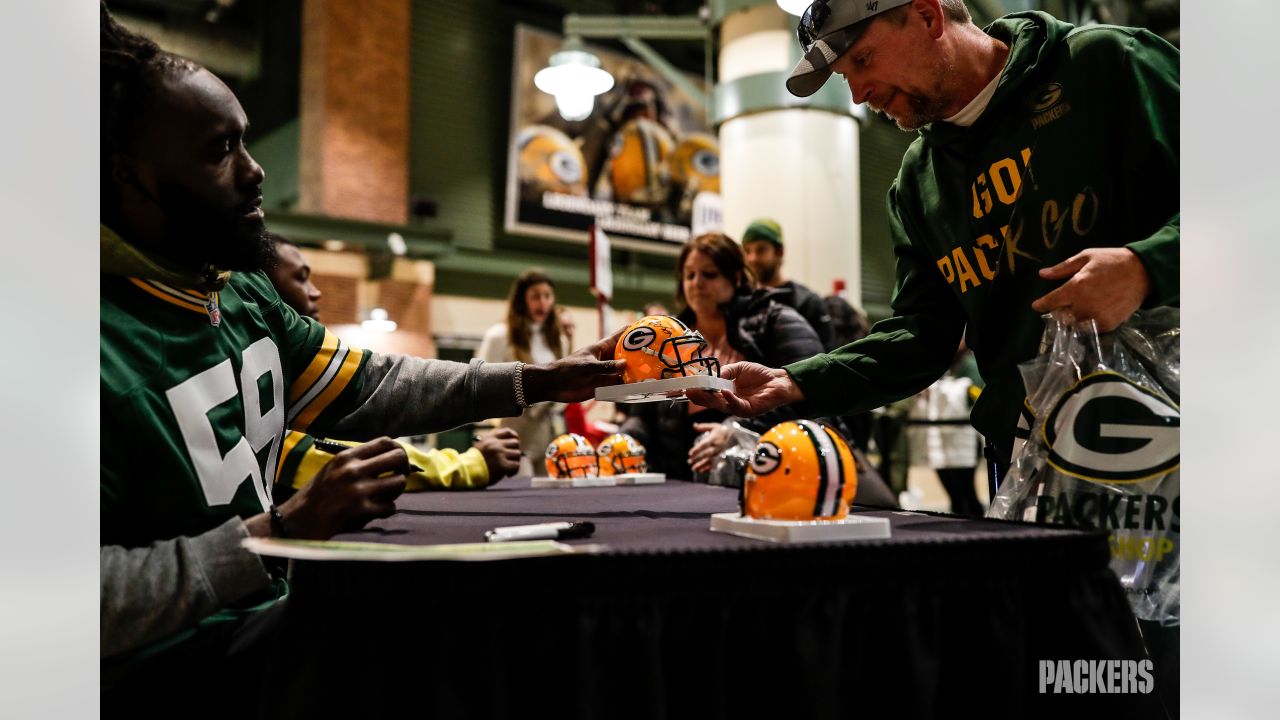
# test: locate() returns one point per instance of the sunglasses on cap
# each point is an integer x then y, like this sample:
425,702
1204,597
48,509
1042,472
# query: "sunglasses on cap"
807,31
820,19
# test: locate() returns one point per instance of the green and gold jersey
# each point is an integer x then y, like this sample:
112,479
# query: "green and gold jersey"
197,390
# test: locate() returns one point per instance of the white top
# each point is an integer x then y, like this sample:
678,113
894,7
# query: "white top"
495,348
944,446
970,113
540,423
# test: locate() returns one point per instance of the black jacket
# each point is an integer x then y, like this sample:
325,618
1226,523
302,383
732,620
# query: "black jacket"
764,331
811,307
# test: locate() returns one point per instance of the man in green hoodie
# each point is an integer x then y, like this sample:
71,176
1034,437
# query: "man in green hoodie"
1044,178
203,368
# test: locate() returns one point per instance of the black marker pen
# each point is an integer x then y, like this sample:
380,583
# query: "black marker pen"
333,448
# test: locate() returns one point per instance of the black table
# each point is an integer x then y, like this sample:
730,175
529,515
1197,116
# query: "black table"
948,617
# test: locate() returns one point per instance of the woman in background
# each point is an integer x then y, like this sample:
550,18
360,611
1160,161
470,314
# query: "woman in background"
536,331
714,287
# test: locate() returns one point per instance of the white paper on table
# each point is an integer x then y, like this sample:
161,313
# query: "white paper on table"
388,552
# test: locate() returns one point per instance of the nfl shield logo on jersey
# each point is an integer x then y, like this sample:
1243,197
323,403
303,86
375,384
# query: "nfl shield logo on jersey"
211,306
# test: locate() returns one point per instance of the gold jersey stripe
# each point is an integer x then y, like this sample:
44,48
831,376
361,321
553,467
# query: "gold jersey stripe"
169,298
335,388
291,441
179,291
193,293
314,370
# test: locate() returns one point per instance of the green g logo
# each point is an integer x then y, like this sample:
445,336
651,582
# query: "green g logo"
1108,429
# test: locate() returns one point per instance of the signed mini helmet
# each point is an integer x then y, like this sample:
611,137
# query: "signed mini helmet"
549,161
801,470
571,456
658,347
620,454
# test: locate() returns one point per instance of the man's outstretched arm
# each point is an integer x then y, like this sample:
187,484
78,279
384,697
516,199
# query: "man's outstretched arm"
405,395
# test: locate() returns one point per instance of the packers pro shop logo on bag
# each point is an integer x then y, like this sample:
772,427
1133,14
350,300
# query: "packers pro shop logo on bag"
1097,446
1114,446
1108,429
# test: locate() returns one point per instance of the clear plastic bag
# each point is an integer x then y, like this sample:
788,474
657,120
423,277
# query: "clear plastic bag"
1098,447
730,466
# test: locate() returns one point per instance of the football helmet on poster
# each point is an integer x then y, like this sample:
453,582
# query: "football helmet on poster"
620,454
800,470
638,163
695,164
549,161
658,347
571,456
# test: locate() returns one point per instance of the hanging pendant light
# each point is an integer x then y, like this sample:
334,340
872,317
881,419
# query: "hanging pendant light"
378,321
794,7
574,77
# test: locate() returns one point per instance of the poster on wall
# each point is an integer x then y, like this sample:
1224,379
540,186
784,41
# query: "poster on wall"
644,166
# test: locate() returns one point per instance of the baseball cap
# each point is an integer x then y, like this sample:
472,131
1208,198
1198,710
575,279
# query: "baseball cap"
826,31
763,229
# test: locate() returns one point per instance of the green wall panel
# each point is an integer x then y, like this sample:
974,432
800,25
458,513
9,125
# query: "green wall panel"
458,113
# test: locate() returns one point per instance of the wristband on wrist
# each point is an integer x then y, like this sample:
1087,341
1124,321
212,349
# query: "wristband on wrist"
519,383
277,522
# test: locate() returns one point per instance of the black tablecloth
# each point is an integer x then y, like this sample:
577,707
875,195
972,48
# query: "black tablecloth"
950,616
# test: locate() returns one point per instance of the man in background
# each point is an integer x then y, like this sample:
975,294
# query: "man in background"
762,246
291,276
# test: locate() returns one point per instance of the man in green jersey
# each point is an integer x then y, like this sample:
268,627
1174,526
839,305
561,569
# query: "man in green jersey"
203,368
1044,178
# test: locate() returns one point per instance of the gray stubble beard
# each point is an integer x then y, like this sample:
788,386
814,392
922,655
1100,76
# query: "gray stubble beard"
928,110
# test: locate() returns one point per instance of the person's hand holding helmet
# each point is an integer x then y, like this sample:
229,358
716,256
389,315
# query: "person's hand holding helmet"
756,389
574,378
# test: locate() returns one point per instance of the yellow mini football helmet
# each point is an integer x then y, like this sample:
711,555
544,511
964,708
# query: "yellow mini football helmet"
570,456
620,454
801,470
657,347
